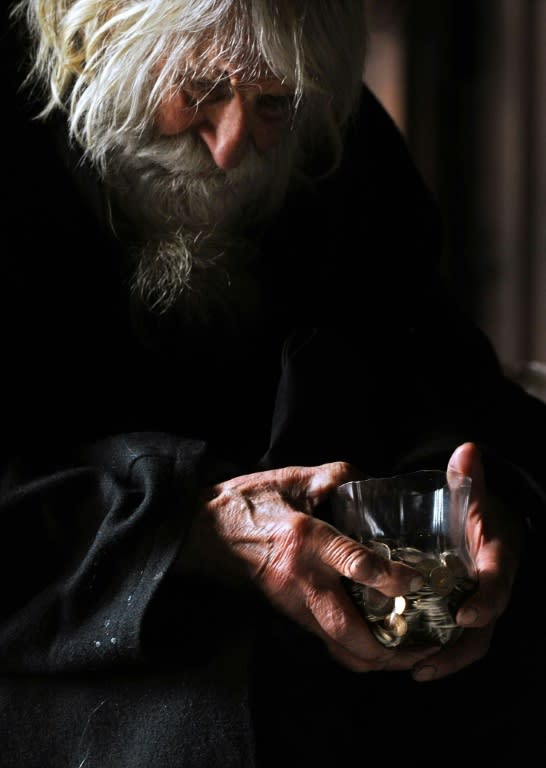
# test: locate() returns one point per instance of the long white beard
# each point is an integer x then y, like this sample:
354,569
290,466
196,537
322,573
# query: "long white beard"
194,221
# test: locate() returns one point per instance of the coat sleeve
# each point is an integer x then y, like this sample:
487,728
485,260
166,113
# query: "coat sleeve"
86,547
97,484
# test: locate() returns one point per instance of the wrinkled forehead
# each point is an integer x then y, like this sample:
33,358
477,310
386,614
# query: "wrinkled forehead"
233,47
209,66
213,58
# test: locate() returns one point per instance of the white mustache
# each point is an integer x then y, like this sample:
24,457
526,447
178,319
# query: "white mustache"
193,216
183,154
175,182
186,156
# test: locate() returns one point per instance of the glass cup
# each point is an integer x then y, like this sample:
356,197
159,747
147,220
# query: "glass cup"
418,518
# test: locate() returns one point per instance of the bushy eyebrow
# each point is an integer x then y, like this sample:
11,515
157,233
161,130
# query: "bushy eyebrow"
213,78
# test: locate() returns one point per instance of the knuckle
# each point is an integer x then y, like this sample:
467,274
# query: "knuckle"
332,617
290,475
336,626
342,471
338,549
357,563
361,564
299,527
292,539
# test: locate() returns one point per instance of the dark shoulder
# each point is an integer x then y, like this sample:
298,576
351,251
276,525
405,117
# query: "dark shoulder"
379,193
377,152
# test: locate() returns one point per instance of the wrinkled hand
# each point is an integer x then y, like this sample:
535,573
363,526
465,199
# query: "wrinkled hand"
263,524
494,537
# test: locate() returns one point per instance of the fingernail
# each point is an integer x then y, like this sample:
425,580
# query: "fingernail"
416,583
468,615
428,672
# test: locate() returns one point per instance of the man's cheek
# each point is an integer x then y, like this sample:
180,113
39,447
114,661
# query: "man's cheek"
174,116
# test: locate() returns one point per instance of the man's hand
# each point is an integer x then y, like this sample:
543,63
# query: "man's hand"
494,537
262,525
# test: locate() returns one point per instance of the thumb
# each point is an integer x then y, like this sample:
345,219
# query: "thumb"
466,460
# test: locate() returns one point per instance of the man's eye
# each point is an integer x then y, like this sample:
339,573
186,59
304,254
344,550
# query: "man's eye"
275,106
205,92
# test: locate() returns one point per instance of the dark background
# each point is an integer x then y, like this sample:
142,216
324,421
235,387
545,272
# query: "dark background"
466,82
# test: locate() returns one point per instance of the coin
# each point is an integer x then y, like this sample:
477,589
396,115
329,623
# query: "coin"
396,624
441,580
427,615
455,564
426,565
380,548
385,637
409,555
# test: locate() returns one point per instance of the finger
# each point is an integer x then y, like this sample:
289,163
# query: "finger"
489,550
394,660
469,648
334,617
325,478
373,656
466,460
357,562
344,630
485,605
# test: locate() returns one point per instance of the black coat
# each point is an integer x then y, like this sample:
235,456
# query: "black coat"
111,421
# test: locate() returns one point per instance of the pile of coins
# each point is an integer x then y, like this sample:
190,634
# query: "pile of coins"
422,617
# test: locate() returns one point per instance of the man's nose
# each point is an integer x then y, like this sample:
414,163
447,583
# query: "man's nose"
229,126
227,129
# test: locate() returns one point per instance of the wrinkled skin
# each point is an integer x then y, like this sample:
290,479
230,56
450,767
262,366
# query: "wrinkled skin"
260,527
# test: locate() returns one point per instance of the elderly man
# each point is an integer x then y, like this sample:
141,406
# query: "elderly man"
221,301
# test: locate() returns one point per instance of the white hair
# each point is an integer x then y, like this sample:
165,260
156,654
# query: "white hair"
110,62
